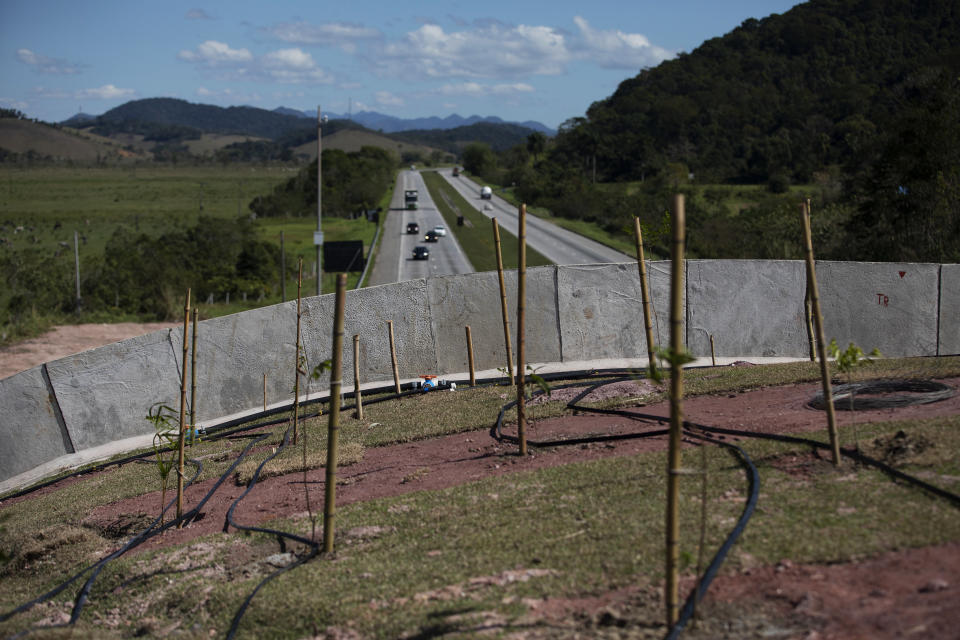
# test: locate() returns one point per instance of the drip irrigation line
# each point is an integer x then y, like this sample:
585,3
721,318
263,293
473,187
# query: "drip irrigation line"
151,531
97,566
697,594
281,536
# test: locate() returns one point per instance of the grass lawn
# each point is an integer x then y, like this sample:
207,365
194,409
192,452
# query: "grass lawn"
436,562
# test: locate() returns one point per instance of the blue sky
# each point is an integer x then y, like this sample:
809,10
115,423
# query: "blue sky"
517,60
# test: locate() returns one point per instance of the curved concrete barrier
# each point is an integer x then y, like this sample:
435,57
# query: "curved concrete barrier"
575,313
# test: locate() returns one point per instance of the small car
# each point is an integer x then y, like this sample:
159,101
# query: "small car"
421,253
432,236
413,227
440,230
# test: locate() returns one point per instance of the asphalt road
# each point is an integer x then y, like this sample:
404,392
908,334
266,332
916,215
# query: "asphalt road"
557,244
395,261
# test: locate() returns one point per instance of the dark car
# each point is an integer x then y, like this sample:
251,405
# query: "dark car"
421,253
432,236
413,227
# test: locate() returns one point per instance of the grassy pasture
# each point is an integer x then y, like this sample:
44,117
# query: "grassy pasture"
484,553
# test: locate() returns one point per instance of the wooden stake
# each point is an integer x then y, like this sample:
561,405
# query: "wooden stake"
183,408
473,374
283,271
808,311
645,294
358,414
818,323
264,392
521,311
393,358
296,361
503,299
713,354
676,412
333,423
193,377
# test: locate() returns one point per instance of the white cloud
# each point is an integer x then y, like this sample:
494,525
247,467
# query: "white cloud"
387,99
475,89
334,34
212,53
198,14
294,59
615,49
489,51
11,103
44,64
228,95
106,92
286,66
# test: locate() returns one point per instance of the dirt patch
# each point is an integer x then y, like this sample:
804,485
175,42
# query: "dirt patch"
67,340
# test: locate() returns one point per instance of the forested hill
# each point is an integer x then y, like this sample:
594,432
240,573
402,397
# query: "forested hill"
782,96
171,115
499,136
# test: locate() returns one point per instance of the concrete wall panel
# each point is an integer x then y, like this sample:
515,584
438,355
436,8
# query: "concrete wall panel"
29,431
474,299
105,393
949,309
601,310
234,352
749,306
884,305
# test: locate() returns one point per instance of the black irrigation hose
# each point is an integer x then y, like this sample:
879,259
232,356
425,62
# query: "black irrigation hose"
150,532
931,391
281,535
707,433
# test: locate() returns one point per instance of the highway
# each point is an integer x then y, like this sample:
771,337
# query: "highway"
395,261
557,244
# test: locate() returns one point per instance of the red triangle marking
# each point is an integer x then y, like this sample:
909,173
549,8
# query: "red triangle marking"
903,273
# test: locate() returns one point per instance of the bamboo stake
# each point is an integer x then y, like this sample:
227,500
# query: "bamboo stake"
473,374
713,353
183,403
358,414
503,299
333,423
808,313
644,293
296,361
676,411
393,358
818,322
193,377
283,271
521,311
264,392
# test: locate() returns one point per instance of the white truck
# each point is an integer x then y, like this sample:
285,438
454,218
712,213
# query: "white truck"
486,193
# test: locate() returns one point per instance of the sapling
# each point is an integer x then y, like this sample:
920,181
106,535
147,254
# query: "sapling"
165,438
847,361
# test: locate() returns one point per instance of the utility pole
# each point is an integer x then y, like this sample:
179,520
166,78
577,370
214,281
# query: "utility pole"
318,236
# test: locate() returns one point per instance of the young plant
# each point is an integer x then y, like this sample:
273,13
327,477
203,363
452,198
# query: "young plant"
847,362
675,360
165,438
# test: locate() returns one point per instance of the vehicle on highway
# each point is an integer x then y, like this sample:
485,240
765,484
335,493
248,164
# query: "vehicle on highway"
410,198
456,172
413,227
432,236
440,230
486,193
421,253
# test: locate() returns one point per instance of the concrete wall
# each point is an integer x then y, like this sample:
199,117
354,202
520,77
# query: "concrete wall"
574,313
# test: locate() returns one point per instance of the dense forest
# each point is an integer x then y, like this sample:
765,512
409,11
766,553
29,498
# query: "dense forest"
352,184
855,100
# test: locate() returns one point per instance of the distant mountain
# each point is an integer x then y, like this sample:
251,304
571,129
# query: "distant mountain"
78,120
390,124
